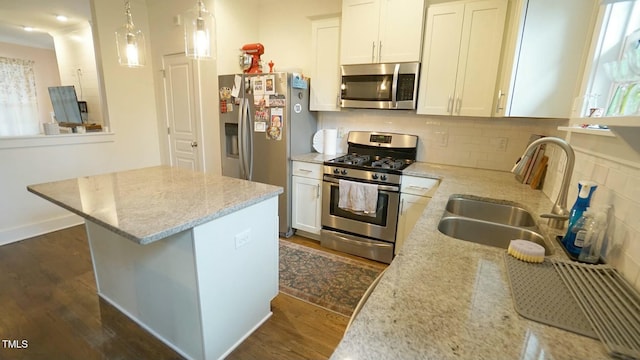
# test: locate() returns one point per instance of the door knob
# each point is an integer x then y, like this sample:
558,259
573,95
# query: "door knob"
194,144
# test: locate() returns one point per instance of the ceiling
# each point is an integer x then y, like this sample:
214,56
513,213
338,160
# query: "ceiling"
41,15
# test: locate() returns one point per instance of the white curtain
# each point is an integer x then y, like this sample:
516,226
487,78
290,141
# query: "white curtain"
18,103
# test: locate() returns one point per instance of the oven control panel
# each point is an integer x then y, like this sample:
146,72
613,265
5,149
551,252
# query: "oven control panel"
357,174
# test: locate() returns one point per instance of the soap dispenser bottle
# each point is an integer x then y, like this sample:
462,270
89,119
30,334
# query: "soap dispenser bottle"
585,192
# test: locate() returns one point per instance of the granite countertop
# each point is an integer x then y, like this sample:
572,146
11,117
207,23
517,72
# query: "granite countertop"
316,158
145,205
443,298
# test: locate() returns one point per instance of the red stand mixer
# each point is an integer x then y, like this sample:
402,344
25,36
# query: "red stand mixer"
250,60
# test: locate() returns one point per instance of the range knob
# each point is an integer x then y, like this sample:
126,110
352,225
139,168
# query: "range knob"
344,172
374,176
383,177
336,171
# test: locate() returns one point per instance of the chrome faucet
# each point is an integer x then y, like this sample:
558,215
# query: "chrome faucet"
559,212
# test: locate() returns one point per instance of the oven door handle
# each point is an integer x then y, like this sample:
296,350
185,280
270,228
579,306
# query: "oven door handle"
391,188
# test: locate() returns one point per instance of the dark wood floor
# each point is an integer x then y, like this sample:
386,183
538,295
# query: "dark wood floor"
49,310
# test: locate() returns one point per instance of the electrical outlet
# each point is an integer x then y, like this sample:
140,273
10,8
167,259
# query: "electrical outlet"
442,138
243,238
501,143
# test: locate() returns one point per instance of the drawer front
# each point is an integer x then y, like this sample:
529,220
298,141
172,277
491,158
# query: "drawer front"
418,185
308,170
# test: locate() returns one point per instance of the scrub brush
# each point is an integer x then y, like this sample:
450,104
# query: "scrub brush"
526,251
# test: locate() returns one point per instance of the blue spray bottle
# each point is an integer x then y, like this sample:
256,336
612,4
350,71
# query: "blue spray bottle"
585,192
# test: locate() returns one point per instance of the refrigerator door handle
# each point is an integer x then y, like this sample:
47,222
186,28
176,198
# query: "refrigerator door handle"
241,140
249,143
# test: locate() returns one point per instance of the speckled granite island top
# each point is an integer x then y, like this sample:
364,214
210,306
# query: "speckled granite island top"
443,298
149,204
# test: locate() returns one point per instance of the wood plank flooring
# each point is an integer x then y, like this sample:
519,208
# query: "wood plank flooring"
49,309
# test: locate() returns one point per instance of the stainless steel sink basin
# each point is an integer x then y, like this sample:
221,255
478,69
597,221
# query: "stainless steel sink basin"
487,233
503,213
489,222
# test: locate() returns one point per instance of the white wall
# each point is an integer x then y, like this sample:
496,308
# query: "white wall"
132,109
167,37
615,167
77,67
237,24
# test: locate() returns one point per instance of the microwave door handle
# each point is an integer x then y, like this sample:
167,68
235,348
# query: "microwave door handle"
394,87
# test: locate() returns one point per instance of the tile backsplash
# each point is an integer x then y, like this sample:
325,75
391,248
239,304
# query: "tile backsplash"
471,142
497,143
615,167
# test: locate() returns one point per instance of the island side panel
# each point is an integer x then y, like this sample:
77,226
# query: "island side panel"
154,284
237,268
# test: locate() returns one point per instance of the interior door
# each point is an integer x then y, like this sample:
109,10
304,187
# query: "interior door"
180,96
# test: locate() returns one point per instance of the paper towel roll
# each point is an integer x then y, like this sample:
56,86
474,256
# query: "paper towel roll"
330,139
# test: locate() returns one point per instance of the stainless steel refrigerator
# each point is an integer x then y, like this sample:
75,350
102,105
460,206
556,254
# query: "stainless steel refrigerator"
264,120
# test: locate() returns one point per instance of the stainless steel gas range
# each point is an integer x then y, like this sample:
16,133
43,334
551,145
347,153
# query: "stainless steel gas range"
373,158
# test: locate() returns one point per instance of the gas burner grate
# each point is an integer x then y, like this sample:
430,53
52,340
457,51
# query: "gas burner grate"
353,159
388,163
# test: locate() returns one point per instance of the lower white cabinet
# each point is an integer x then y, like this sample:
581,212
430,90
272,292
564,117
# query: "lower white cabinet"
307,197
415,194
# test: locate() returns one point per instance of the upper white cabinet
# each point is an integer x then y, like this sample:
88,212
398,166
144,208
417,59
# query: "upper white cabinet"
325,70
381,31
543,57
461,57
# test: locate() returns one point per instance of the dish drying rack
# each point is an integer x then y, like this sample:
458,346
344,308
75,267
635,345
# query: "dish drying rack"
590,300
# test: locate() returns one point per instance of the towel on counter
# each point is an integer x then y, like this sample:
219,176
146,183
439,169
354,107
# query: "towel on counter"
358,197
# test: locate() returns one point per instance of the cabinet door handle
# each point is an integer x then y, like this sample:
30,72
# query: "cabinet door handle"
380,52
458,104
373,51
402,207
450,104
499,101
317,191
304,170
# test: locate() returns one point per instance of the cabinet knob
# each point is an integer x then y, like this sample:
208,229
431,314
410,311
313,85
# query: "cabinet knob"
194,144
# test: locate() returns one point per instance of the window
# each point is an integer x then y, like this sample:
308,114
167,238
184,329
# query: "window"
18,102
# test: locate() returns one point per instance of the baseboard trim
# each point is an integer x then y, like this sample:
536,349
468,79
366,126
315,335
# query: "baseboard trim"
8,236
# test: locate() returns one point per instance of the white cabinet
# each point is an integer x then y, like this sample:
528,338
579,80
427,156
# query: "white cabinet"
381,31
543,57
415,193
461,57
325,70
307,197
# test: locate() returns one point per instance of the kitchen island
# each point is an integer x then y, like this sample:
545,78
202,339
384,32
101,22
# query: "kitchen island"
444,298
191,257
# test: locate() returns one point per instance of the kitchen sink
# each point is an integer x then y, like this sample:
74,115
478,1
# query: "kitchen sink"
488,233
481,209
489,222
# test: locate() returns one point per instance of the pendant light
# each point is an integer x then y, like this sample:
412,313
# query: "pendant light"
199,33
130,42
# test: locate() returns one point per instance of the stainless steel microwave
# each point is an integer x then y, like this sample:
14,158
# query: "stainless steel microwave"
380,86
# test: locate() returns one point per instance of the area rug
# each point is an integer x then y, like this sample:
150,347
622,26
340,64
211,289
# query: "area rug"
331,281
